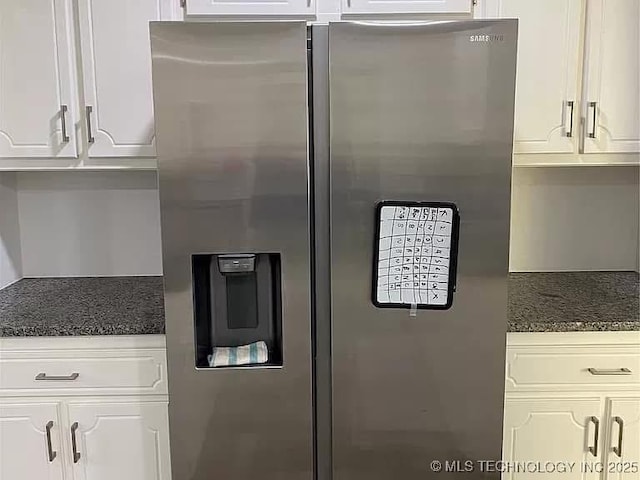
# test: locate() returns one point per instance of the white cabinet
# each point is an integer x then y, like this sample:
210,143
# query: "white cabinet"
127,441
623,445
551,430
36,98
547,95
573,397
116,66
405,6
103,423
268,8
612,107
30,444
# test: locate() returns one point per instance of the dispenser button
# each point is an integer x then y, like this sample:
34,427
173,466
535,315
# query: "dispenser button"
236,263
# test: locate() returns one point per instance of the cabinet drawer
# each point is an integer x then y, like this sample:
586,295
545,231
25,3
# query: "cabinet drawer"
83,372
558,367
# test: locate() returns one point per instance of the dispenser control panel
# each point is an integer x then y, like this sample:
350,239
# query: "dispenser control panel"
415,254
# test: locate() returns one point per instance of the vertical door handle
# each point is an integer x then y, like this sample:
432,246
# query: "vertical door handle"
570,105
50,451
74,446
593,450
90,137
63,123
618,450
594,106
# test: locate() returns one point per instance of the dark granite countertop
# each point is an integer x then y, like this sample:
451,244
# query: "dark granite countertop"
538,302
82,306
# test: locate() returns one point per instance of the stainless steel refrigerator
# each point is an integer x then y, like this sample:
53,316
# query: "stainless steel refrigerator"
335,225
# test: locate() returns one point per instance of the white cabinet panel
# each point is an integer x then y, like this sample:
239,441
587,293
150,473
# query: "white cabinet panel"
124,441
405,6
268,8
547,75
24,453
624,462
613,76
550,430
116,61
35,79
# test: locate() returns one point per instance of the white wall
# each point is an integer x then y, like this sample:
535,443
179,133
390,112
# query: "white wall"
89,223
575,219
10,256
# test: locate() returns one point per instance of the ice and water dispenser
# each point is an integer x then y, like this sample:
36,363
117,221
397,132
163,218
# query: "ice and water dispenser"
238,310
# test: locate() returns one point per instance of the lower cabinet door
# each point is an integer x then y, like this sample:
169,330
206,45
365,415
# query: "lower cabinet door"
552,438
30,446
119,441
623,446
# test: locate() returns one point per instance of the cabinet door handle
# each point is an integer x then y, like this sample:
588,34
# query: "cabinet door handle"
609,371
90,137
63,123
58,378
594,106
74,447
593,450
618,450
52,454
570,105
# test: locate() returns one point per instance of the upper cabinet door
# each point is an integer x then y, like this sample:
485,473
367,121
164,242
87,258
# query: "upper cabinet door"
405,6
116,65
36,107
548,74
251,7
613,76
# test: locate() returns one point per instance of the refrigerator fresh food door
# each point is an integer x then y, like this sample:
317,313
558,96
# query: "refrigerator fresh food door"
231,125
420,113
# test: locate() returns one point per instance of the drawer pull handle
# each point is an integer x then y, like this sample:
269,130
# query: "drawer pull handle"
609,371
618,450
52,454
57,378
593,450
74,447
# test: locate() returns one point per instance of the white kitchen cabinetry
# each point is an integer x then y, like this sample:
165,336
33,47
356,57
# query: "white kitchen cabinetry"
551,430
116,67
30,443
547,94
127,441
567,397
265,8
405,6
106,423
37,102
612,98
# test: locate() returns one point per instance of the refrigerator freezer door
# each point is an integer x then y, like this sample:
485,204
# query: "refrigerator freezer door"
231,124
420,113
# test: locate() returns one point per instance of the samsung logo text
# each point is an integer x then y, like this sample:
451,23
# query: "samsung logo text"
486,38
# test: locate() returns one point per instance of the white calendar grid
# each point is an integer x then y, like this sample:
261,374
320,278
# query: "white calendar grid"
414,250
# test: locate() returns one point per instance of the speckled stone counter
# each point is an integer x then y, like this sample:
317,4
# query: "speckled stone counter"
574,301
538,302
82,306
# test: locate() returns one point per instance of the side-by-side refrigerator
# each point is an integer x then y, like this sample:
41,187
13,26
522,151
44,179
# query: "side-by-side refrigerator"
335,226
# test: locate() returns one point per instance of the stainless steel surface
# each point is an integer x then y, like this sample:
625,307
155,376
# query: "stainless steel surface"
609,371
57,378
320,88
420,112
50,452
74,446
231,126
593,449
570,105
63,123
594,107
88,112
618,449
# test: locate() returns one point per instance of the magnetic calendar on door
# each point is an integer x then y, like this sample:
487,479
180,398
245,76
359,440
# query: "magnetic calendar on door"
415,255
